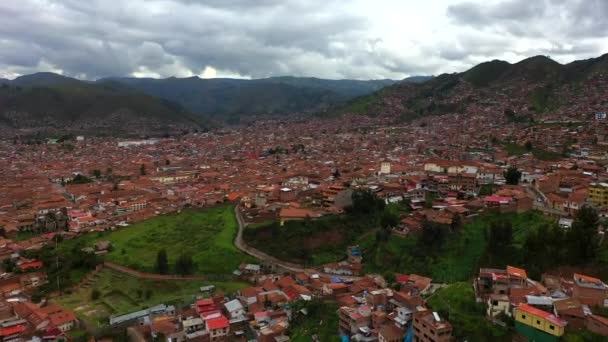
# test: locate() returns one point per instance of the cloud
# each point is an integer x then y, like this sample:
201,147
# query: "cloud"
324,38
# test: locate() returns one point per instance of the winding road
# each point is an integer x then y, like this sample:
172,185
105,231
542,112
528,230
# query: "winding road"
289,266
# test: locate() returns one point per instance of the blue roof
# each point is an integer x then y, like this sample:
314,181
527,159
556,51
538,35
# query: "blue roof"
336,280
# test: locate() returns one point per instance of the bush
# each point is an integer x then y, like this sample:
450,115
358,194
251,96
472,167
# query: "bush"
95,294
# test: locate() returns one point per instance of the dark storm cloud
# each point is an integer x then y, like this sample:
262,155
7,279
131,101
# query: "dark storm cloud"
261,38
252,38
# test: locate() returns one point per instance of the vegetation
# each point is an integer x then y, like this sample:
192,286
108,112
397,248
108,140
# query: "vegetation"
205,235
451,255
486,73
75,100
512,176
80,179
322,240
118,293
456,303
320,319
162,263
184,265
231,99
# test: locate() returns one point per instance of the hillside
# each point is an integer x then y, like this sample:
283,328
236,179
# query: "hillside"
230,99
534,88
49,102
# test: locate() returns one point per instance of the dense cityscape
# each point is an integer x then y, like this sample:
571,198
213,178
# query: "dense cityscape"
303,171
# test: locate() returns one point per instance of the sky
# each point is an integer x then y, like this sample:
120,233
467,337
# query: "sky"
355,39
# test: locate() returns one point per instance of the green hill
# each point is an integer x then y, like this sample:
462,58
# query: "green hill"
231,99
532,83
54,102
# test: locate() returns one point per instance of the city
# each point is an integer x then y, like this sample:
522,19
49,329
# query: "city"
207,171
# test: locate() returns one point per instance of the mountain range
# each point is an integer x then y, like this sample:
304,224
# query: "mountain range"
57,101
521,91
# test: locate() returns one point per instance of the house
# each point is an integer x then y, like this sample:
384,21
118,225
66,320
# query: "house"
235,308
589,290
538,325
351,319
390,333
498,304
192,326
218,327
571,311
429,327
597,324
63,320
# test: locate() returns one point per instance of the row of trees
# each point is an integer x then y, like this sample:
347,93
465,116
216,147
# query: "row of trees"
184,265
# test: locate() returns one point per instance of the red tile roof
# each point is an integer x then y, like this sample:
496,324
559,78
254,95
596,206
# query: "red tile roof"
218,323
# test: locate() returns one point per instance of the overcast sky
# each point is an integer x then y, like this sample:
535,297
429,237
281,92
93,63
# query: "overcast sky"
361,39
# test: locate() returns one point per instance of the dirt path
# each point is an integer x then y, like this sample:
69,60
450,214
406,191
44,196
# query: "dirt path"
143,275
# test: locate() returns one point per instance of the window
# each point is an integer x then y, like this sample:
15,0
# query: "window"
538,322
523,316
551,327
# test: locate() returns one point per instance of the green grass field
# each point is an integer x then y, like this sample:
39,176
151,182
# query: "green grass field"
121,293
206,235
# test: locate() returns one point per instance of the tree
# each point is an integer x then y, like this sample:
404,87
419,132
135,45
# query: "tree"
184,265
366,203
528,145
512,175
97,173
389,220
389,277
162,263
142,170
499,250
336,174
456,222
95,294
583,235
433,235
80,179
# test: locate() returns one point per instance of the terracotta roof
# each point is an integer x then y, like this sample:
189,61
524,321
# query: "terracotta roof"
517,272
60,318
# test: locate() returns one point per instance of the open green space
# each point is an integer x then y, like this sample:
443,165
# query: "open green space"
119,293
518,150
456,303
205,235
457,258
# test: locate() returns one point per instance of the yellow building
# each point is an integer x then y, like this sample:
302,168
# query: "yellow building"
538,325
598,194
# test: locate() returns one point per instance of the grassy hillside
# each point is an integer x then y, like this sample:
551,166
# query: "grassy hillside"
206,235
120,293
460,255
76,105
